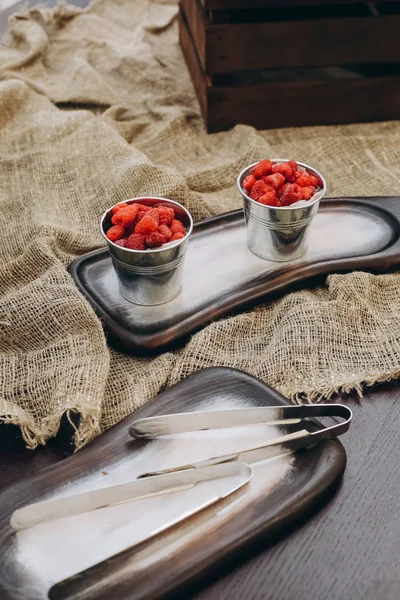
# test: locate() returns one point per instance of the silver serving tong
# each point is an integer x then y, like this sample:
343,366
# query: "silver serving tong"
67,506
153,427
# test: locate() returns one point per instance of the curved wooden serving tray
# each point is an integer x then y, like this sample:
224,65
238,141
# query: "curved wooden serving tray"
222,276
283,490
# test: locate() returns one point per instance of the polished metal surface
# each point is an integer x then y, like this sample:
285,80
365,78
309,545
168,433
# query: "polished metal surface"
186,422
94,536
232,480
279,233
340,230
49,510
154,276
153,427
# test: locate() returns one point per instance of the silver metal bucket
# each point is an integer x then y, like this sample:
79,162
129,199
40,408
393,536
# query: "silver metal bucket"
150,277
279,233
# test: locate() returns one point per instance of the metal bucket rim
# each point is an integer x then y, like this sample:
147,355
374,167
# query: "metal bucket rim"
315,199
149,250
149,270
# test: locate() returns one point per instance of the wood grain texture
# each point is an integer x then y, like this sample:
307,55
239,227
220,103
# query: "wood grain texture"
334,102
199,79
314,43
366,236
243,4
330,100
311,479
197,22
232,47
349,549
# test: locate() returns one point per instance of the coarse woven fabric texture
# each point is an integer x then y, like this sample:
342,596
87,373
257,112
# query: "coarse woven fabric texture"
96,106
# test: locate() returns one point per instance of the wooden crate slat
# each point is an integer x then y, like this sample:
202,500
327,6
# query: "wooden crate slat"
215,5
305,103
274,14
273,105
322,42
197,22
226,48
193,63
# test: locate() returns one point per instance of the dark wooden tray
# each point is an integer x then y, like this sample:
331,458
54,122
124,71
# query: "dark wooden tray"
222,276
283,491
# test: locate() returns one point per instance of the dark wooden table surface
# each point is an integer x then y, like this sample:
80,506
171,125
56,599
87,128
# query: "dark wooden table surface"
349,550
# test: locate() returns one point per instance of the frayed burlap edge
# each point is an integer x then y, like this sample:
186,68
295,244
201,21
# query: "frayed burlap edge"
87,429
89,422
350,388
88,426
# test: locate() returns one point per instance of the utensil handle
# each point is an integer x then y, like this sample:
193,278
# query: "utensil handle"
163,483
153,427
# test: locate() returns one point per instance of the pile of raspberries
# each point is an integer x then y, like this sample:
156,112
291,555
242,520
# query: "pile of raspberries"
280,184
139,227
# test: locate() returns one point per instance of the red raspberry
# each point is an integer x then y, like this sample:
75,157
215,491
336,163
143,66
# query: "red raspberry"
300,172
179,235
304,180
165,215
140,215
287,200
155,239
307,192
146,225
153,212
125,216
284,169
291,194
280,191
135,242
248,182
262,168
129,230
177,227
115,233
269,199
267,182
118,207
165,231
142,210
122,242
275,180
259,189
288,187
315,181
293,165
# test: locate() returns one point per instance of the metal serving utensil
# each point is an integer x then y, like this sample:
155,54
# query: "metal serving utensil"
153,427
67,506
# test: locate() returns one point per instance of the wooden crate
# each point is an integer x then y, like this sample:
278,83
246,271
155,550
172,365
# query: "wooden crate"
269,66
222,5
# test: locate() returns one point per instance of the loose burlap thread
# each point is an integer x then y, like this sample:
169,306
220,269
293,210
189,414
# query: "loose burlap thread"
96,106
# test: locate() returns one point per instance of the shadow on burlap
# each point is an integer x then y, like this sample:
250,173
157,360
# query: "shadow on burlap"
97,106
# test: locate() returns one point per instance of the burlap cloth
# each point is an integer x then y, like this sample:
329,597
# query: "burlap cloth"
97,106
